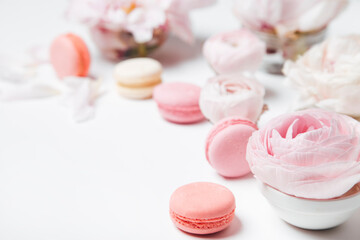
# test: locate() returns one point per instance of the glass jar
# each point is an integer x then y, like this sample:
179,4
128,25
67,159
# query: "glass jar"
288,47
117,45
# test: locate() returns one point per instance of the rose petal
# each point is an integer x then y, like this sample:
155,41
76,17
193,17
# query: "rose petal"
328,76
232,95
11,92
81,95
310,154
288,16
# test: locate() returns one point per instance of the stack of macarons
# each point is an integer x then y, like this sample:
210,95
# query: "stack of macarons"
136,78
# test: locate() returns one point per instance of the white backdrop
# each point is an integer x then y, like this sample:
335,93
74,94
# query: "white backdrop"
112,177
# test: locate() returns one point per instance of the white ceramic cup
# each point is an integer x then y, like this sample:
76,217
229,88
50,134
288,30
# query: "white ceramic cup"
313,214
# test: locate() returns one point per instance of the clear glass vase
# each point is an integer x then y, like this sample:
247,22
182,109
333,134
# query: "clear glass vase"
117,45
289,47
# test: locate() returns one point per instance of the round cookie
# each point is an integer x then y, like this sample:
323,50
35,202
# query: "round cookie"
202,207
70,56
226,146
178,102
137,77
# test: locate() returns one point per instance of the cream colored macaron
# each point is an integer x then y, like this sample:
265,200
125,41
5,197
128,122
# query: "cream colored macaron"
137,77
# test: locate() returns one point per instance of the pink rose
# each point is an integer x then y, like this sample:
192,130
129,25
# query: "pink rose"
232,96
234,51
288,15
311,154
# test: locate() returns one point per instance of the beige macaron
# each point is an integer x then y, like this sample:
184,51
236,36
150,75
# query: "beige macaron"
137,77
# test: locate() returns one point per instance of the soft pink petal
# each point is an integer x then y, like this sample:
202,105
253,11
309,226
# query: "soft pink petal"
16,92
180,26
81,96
232,95
288,15
327,76
234,51
310,154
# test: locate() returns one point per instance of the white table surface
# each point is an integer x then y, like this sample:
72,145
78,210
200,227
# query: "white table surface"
112,177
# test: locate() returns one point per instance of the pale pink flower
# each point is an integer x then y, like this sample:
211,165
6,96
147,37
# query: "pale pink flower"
177,12
80,95
328,76
311,154
233,52
140,17
232,96
286,16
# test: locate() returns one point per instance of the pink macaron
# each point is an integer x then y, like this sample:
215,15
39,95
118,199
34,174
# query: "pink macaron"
202,207
179,102
69,56
226,146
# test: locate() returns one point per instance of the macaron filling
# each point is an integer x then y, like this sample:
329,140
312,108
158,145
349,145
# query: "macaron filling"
179,109
151,83
204,224
181,114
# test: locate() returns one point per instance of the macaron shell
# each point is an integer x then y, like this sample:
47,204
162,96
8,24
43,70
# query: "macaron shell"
84,55
226,147
69,56
138,72
181,117
136,93
177,94
202,200
136,78
202,207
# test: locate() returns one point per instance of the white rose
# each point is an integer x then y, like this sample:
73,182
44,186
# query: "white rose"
288,16
233,95
328,76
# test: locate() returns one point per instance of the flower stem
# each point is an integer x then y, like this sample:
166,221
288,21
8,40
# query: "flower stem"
142,50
